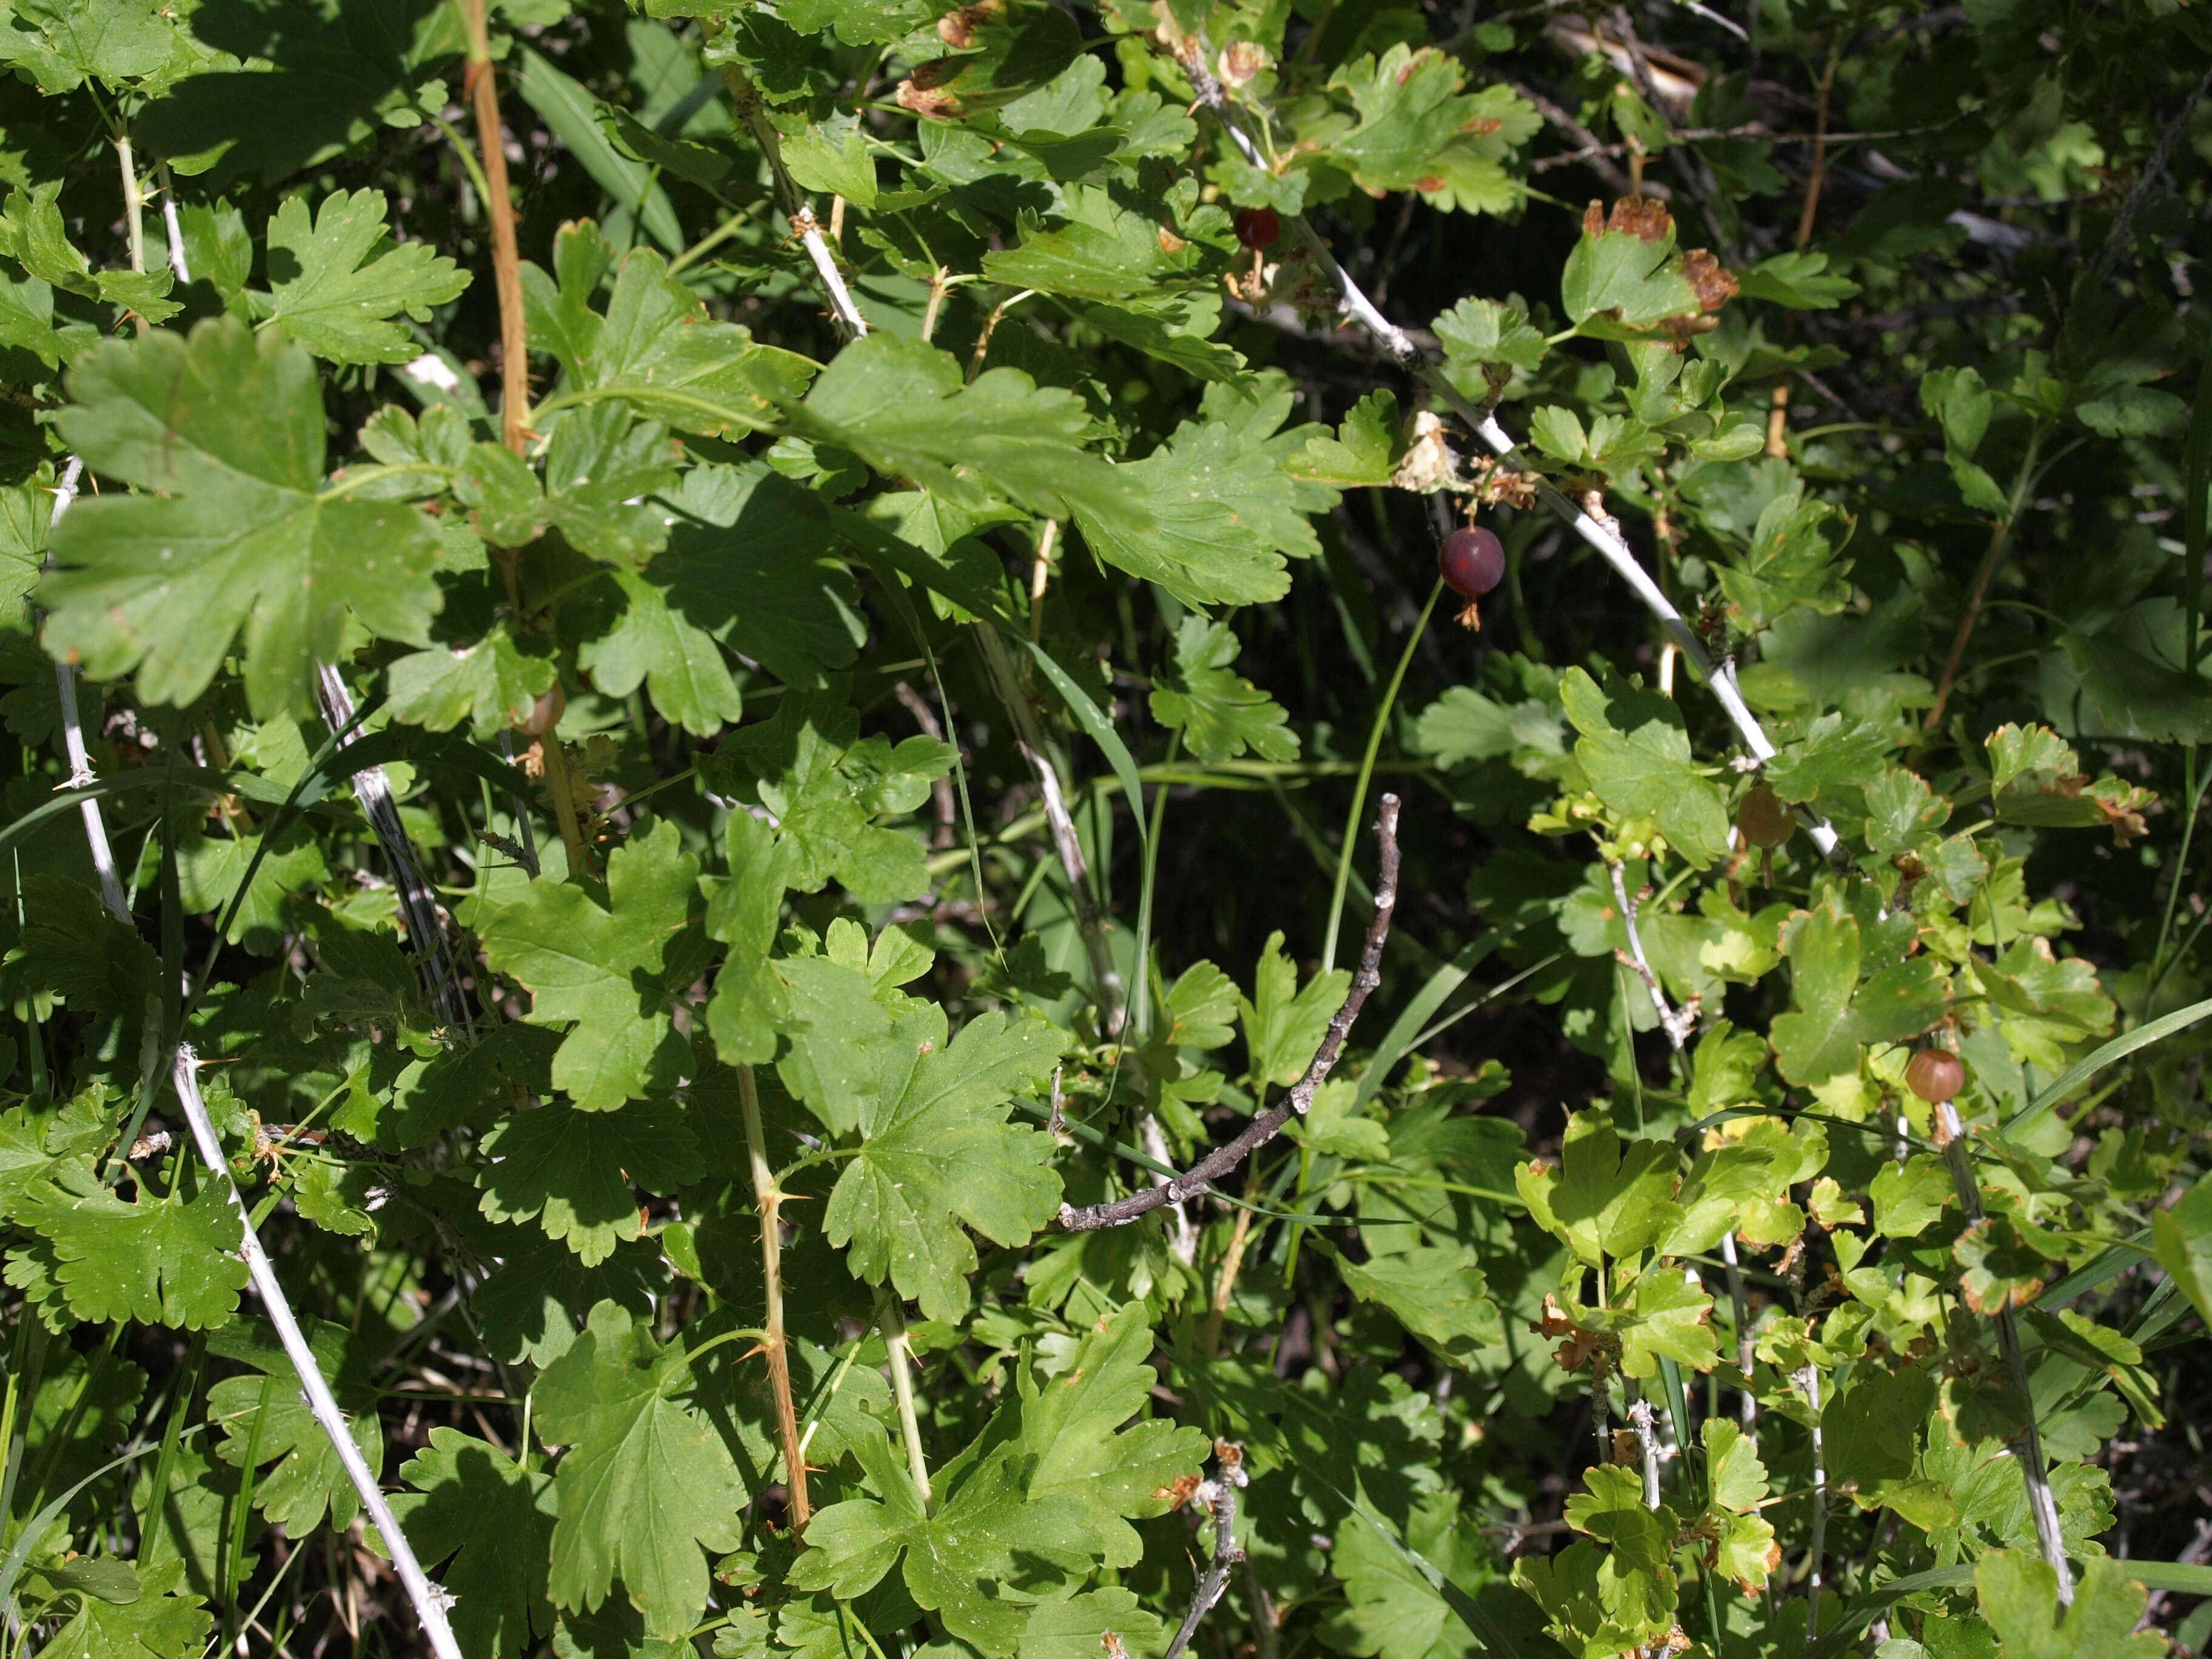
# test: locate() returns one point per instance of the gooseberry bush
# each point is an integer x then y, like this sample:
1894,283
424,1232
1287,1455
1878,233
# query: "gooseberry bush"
771,891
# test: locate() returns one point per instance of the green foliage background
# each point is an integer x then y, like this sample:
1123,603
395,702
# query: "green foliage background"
966,741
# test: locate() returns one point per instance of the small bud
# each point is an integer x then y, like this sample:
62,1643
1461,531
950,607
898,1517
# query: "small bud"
1240,63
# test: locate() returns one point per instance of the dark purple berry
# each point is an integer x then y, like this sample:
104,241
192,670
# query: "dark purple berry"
1257,228
1472,561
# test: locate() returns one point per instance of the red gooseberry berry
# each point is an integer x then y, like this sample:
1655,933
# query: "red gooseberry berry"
1935,1075
1762,820
1472,561
542,715
1257,228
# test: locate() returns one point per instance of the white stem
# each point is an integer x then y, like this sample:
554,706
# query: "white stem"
2028,1448
172,229
1746,1351
1184,1242
429,1601
1675,1024
134,204
1810,1376
79,763
825,266
1647,1445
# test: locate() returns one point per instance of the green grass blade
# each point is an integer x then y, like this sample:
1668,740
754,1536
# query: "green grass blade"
2098,1057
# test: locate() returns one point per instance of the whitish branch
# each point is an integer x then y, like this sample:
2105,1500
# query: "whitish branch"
2028,1448
418,904
1201,1176
1677,1023
429,1601
796,207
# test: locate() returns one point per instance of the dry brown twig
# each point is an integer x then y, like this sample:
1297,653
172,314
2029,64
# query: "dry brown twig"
1201,1176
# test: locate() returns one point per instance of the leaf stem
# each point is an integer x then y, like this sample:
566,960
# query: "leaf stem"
769,1197
2000,537
892,1318
1367,775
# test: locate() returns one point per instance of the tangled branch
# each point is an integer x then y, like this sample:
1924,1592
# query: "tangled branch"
1201,1176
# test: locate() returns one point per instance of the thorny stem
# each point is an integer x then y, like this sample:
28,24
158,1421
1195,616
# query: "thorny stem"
892,1318
1201,1176
2000,535
769,1197
939,286
1778,416
134,210
1596,528
506,257
2028,1448
514,363
1219,1495
796,208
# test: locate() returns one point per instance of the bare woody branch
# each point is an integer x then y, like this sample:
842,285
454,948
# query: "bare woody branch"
1219,1495
1202,1175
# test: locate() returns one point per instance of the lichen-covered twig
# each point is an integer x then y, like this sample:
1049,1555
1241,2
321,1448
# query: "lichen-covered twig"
1201,1176
1218,1495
